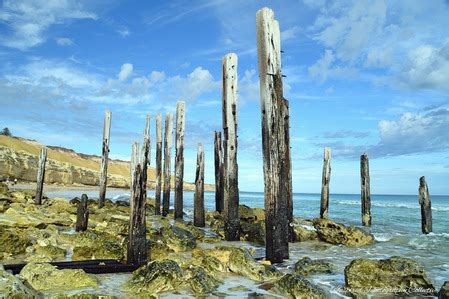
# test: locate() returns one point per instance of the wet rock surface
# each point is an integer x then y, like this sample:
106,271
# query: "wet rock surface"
297,286
307,266
444,291
337,233
13,287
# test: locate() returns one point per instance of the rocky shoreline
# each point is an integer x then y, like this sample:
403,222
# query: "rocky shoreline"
184,259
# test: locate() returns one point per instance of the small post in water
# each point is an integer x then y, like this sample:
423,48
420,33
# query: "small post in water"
218,155
426,207
104,158
168,140
324,210
366,193
179,159
82,215
157,210
40,176
198,209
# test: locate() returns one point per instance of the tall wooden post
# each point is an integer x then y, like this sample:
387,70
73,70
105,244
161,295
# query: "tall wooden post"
366,192
179,159
275,138
426,207
230,167
324,209
40,176
168,140
104,158
145,158
137,243
218,155
157,210
82,215
198,209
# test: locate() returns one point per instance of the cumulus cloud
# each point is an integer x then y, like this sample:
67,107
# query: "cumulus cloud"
64,41
28,20
125,71
124,32
345,134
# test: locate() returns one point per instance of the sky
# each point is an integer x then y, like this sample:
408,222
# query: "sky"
360,76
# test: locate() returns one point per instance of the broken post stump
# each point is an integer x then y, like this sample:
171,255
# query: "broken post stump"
104,158
324,208
426,207
40,176
179,159
218,159
82,215
366,192
157,210
198,209
275,138
167,162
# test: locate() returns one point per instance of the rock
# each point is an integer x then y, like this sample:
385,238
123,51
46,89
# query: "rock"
296,286
46,253
444,291
13,287
45,277
250,215
75,201
306,266
200,281
395,273
80,296
253,232
13,241
178,239
304,230
211,264
3,188
337,233
196,232
155,277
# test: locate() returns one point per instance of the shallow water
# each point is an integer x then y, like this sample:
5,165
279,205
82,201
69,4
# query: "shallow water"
396,227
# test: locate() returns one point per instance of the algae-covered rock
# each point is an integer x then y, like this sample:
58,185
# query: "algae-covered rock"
444,291
196,232
250,215
3,187
400,275
46,253
178,239
306,266
296,286
155,277
45,277
211,264
13,241
200,281
337,233
304,230
13,287
253,232
81,296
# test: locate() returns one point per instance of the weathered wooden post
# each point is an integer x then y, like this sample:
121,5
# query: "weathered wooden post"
82,215
324,209
168,140
104,158
426,207
137,243
230,167
158,164
179,159
40,176
275,138
218,155
145,156
366,192
198,208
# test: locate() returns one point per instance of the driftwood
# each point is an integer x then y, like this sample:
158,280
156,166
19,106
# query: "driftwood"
157,206
324,209
168,140
40,176
426,206
275,138
104,158
218,159
366,192
198,209
230,167
179,159
82,215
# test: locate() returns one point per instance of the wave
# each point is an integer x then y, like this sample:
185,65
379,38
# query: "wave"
391,205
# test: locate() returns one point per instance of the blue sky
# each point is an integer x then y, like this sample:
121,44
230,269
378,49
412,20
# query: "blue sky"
360,76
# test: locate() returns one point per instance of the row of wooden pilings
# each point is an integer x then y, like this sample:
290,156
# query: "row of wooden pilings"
276,162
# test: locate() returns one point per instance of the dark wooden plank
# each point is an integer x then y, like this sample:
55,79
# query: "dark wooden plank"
82,214
104,158
365,190
198,207
218,163
179,160
426,207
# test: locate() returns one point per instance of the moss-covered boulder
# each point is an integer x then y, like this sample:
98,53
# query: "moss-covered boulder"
13,241
400,275
80,296
337,233
209,263
178,239
250,215
444,291
45,253
3,188
45,277
13,287
253,232
155,277
297,286
307,266
200,281
195,231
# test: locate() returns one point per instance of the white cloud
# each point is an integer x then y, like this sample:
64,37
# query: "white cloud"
125,71
64,41
28,20
290,33
124,32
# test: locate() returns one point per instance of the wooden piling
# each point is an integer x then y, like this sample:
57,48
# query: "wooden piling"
82,215
104,158
426,206
145,156
198,209
179,159
137,243
365,190
168,140
40,176
275,138
157,210
324,209
230,167
218,159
